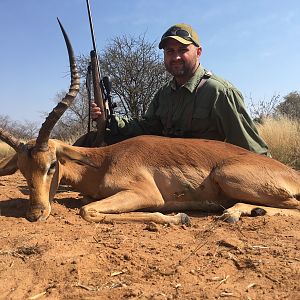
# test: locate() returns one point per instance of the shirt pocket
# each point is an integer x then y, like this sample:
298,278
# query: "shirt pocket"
201,120
163,114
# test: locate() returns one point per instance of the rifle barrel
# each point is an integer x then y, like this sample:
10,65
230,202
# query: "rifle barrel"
91,25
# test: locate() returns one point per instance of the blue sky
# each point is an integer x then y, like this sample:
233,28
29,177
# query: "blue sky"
254,44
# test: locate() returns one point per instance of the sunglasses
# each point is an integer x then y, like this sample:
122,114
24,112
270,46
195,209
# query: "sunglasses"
181,33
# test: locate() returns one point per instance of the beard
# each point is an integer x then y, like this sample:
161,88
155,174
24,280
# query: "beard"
177,69
181,69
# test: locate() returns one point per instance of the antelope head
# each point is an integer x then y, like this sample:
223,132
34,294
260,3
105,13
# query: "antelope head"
38,160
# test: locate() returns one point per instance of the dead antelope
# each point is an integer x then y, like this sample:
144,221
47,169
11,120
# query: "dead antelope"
139,178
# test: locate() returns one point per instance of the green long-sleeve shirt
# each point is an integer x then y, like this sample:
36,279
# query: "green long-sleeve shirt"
215,111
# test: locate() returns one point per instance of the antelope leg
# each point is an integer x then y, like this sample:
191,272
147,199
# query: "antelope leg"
234,213
121,208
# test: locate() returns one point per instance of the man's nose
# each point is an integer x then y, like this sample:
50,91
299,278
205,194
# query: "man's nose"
176,55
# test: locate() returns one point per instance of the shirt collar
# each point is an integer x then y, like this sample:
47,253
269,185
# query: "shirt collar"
193,82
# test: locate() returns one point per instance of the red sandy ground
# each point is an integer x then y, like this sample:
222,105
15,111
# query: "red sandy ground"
68,258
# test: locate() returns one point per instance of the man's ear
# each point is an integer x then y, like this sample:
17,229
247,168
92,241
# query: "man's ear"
199,51
9,165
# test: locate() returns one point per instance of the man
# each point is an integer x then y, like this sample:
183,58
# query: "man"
194,104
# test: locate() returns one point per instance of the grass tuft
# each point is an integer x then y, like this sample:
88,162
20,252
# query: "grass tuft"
5,150
283,138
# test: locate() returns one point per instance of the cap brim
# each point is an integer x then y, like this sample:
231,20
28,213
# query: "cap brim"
175,37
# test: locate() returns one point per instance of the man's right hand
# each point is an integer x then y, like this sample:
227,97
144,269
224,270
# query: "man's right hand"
95,111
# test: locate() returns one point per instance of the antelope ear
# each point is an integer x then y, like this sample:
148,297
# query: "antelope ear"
9,165
67,152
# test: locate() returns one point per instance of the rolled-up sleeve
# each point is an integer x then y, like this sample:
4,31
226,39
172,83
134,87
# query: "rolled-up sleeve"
149,124
235,123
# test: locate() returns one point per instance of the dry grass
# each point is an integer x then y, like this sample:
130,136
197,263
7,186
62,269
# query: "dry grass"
283,138
5,150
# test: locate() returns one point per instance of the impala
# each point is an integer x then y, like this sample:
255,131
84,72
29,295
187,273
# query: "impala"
142,177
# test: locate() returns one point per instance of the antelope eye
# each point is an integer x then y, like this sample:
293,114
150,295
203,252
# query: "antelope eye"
52,168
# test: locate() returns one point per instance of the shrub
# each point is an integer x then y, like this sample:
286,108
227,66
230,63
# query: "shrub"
282,136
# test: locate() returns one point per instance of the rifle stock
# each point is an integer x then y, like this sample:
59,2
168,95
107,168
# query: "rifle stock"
98,99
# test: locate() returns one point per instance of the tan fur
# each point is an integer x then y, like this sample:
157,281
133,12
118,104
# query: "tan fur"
156,174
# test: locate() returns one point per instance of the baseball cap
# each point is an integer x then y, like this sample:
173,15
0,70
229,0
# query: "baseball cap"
183,33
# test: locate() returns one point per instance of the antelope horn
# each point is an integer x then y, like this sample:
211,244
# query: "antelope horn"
61,107
9,139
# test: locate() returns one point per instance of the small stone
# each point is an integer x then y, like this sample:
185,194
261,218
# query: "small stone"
126,256
151,227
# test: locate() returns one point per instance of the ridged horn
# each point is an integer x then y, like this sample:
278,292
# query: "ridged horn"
9,139
62,106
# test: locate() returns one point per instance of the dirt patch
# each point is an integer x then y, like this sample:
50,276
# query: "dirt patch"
68,258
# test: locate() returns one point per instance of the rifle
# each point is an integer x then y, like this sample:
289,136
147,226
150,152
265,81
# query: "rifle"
101,88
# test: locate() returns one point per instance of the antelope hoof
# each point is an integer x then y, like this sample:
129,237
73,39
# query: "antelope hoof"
255,212
185,220
38,213
89,214
230,216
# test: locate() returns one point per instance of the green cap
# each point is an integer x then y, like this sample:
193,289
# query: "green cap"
182,33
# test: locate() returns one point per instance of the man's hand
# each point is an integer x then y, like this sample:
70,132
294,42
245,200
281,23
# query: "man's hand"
95,111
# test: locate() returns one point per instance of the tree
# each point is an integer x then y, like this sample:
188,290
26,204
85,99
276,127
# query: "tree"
25,130
263,108
290,107
74,121
137,72
136,69
4,121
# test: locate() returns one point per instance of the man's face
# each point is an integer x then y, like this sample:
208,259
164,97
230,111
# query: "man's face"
181,60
